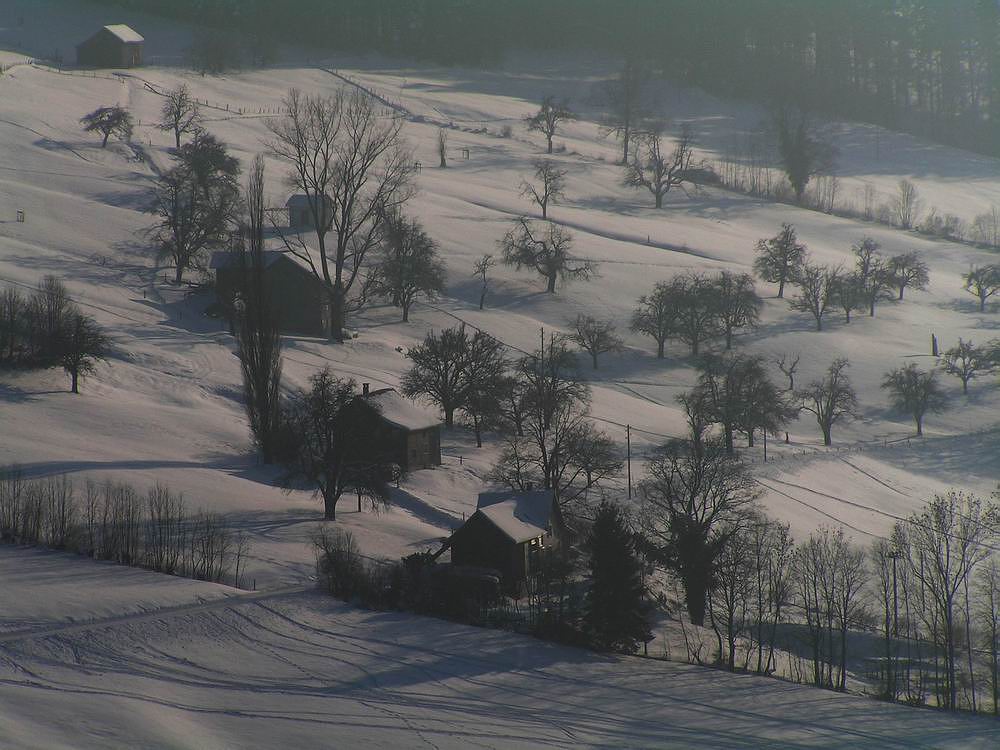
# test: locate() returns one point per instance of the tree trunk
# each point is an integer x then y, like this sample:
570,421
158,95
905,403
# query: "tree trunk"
545,209
871,309
781,288
177,138
104,143
548,138
74,376
330,507
593,356
659,199
449,416
920,426
901,292
660,347
695,588
727,430
729,339
965,387
338,315
819,323
179,273
827,437
551,286
482,300
406,313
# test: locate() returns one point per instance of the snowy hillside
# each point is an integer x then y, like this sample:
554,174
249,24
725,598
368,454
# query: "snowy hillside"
167,407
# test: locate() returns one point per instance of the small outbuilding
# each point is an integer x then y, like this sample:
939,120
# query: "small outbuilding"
301,300
508,532
114,46
407,433
300,215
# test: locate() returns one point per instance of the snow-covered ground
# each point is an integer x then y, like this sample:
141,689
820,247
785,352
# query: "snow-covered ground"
166,407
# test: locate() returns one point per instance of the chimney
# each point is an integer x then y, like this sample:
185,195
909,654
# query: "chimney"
365,389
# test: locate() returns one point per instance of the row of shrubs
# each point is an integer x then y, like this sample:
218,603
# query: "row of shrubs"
114,521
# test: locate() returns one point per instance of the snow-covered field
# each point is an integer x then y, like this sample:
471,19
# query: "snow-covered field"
166,408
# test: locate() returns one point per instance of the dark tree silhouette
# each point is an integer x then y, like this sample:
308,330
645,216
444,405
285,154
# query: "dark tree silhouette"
549,185
547,252
983,282
656,316
908,270
780,258
481,271
628,104
109,121
548,118
596,337
616,610
180,114
81,344
737,302
817,291
802,152
915,392
830,399
966,360
654,168
410,267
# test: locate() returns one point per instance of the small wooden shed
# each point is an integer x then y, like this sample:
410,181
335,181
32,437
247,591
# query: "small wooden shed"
114,46
407,433
300,215
508,532
301,301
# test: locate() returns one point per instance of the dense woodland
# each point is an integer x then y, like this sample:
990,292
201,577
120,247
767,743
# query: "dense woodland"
925,66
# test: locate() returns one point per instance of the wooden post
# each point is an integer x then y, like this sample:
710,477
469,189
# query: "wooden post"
628,455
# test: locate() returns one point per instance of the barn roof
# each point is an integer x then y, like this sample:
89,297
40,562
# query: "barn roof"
227,259
124,33
521,516
401,411
300,201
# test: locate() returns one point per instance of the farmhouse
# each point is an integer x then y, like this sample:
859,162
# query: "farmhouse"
300,216
407,433
300,300
508,532
114,46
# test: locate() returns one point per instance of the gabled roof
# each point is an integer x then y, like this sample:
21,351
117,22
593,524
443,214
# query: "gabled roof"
401,411
227,259
124,33
520,516
301,201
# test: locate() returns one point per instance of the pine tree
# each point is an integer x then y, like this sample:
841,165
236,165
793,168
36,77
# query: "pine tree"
617,612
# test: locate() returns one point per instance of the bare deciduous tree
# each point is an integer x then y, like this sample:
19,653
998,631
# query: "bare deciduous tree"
442,148
409,267
849,292
830,399
656,316
788,364
596,337
549,186
354,169
779,258
546,252
81,344
873,273
983,282
817,291
482,272
180,113
915,392
628,105
653,168
697,311
966,360
738,305
906,205
109,121
908,270
548,118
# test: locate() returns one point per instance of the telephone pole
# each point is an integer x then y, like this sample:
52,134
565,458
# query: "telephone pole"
628,457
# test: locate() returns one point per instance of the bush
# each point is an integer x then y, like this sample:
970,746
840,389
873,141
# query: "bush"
506,131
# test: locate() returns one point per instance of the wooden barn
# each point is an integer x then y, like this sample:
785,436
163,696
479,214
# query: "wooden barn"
508,532
300,299
114,46
300,216
408,434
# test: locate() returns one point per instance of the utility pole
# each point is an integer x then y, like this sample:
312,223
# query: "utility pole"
765,444
628,457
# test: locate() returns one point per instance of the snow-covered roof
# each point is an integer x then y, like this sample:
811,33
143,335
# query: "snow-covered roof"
402,412
226,259
124,33
521,516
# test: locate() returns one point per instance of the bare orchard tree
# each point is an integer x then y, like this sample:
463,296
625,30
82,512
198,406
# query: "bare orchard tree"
830,399
656,316
481,271
780,258
697,309
966,360
331,444
945,543
180,113
873,272
409,267
258,337
738,304
626,98
189,220
817,291
548,118
354,169
81,344
908,270
850,295
906,204
596,337
549,185
654,168
915,392
983,282
109,121
442,148
547,252
695,498
788,364
802,151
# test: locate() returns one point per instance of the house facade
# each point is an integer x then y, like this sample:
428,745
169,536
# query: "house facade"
408,434
301,301
300,217
508,533
114,46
